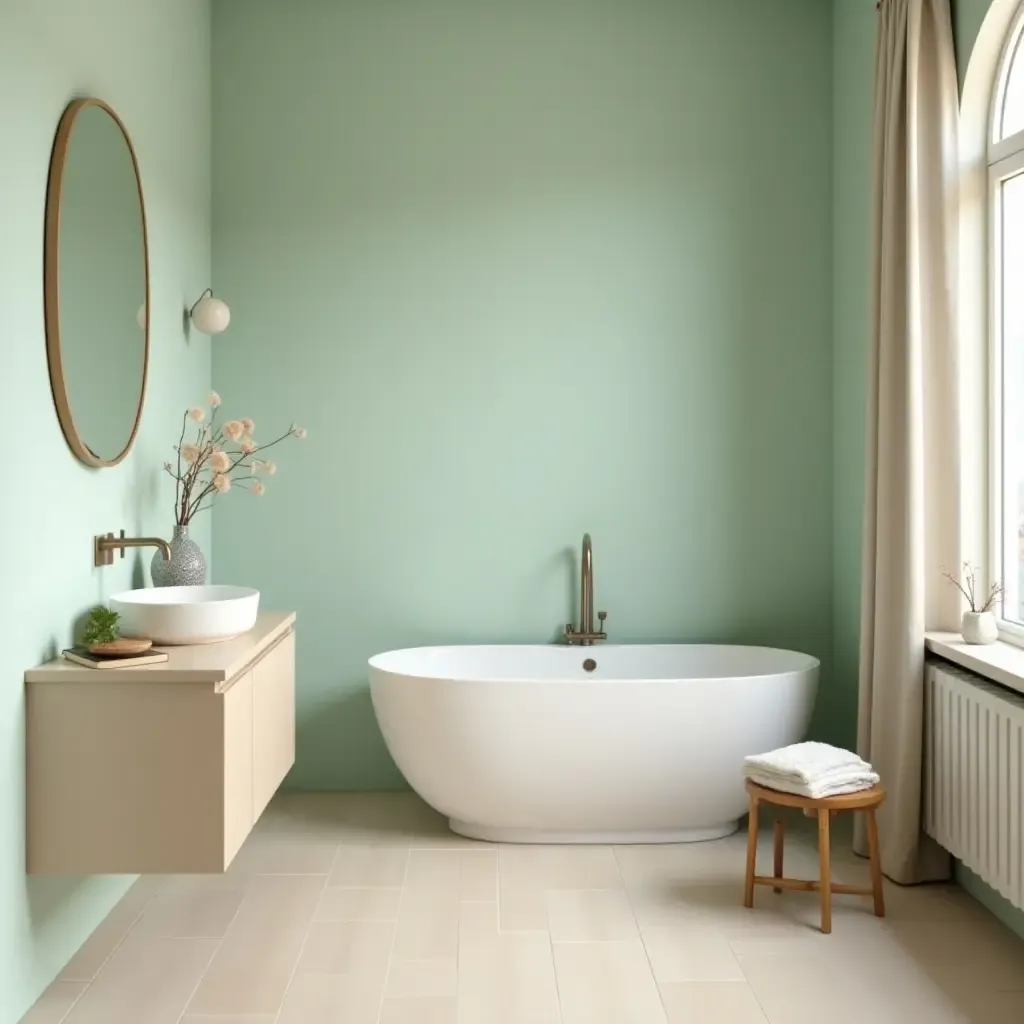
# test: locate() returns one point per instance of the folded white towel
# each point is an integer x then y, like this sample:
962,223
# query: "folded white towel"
810,769
848,782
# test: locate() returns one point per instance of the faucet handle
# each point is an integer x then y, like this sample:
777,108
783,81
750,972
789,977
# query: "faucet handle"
569,629
122,546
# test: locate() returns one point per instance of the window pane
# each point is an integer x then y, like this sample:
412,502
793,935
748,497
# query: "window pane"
1012,120
1012,278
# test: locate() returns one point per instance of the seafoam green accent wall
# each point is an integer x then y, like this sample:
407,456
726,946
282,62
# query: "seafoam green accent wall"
150,61
525,270
989,898
854,60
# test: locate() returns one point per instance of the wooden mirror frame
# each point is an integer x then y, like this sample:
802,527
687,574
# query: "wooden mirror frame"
51,283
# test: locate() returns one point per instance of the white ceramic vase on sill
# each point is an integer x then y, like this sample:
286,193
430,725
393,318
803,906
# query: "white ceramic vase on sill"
979,628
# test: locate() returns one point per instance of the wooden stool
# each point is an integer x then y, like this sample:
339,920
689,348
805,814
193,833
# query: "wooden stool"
866,800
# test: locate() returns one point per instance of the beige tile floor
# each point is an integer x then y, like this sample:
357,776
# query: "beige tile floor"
363,909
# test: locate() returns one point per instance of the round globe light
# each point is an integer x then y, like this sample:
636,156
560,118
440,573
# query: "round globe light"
210,315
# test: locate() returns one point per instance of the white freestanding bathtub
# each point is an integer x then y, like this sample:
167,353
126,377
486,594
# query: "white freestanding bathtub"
609,744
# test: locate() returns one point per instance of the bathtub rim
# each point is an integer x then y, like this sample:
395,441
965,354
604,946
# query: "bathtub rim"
811,664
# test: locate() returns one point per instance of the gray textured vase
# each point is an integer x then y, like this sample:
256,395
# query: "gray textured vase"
187,567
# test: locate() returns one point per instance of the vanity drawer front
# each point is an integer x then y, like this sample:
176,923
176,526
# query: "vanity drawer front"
273,721
124,780
238,764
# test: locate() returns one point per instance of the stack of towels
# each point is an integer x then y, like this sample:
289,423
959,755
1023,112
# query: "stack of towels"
810,769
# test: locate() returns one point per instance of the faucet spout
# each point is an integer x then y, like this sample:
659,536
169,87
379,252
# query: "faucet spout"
586,634
587,586
104,547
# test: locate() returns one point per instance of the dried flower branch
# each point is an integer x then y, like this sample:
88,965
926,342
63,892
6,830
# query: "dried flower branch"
971,592
207,466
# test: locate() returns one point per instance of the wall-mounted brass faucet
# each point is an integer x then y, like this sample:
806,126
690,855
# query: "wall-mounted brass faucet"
585,636
103,548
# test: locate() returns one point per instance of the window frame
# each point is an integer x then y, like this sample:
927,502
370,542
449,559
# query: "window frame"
1004,160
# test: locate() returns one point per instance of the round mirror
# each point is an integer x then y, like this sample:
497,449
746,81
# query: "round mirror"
96,283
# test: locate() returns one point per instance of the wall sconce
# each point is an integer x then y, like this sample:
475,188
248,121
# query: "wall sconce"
210,315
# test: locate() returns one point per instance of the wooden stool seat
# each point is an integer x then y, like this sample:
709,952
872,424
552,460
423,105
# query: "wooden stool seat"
866,800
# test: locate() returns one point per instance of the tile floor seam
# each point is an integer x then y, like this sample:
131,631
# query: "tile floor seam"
64,1016
216,949
753,991
302,948
640,934
458,927
394,938
120,942
554,971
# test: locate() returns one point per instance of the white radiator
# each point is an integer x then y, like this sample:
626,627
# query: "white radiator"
974,775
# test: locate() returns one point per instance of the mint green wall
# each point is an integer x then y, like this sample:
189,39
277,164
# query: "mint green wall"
989,898
150,61
968,16
854,61
525,270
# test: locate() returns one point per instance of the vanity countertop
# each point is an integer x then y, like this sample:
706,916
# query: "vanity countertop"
204,664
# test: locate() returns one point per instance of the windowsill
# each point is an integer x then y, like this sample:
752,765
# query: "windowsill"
1001,662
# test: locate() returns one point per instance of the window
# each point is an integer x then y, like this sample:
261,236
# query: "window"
1006,276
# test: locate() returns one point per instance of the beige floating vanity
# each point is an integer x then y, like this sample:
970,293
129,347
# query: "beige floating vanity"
160,769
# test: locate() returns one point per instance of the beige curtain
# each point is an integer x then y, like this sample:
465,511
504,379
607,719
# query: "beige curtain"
911,528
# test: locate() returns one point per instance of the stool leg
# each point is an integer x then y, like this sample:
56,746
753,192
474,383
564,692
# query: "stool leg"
748,892
876,863
824,854
780,832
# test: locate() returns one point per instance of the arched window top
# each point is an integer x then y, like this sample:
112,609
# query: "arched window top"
1008,105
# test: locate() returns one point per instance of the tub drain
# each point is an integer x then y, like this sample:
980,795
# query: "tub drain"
589,665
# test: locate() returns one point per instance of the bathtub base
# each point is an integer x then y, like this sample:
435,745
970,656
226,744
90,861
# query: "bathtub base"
626,838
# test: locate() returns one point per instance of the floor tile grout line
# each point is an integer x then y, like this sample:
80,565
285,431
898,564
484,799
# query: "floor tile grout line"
216,950
640,935
120,942
302,948
458,927
67,1013
554,972
394,937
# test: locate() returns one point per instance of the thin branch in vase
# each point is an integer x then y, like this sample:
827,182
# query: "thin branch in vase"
959,586
995,594
971,585
181,440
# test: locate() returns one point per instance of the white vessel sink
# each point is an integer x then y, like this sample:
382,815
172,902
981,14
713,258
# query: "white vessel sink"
186,615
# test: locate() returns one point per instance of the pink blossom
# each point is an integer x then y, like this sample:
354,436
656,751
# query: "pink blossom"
213,400
233,429
190,452
299,432
248,425
222,483
268,467
248,446
197,414
220,462
258,488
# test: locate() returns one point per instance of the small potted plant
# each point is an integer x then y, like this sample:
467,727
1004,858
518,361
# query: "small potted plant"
101,628
978,625
102,635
